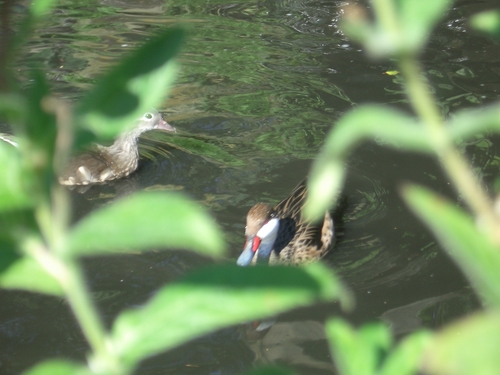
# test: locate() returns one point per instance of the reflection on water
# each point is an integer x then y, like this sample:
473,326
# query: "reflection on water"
261,84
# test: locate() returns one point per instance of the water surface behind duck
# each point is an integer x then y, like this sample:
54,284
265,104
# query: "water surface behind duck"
260,86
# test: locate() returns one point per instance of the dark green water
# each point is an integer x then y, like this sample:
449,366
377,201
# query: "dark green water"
261,84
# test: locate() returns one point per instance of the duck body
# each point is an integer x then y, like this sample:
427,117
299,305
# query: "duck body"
101,164
280,235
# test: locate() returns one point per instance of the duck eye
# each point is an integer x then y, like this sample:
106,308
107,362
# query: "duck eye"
149,116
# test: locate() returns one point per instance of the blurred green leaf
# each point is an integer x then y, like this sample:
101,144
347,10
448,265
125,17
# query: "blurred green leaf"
401,28
145,220
25,273
469,123
12,182
457,233
40,133
40,126
405,359
41,7
357,352
417,18
386,126
488,22
136,85
58,367
13,107
323,186
469,346
217,297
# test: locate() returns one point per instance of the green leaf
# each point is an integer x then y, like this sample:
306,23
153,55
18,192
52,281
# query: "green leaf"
13,107
323,186
25,273
469,123
40,126
357,352
402,27
469,346
39,133
145,220
138,84
488,22
455,230
405,359
12,181
417,19
385,126
58,367
41,7
217,297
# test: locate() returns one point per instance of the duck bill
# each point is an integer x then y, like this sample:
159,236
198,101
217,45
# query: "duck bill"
264,253
246,256
163,125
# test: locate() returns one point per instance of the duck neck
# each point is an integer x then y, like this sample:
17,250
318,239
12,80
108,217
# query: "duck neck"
124,149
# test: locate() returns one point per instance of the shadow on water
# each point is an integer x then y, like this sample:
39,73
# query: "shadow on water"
261,85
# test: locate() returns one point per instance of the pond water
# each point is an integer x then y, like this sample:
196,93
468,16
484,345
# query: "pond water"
261,84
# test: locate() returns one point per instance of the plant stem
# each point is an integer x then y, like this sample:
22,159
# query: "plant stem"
454,164
70,278
87,316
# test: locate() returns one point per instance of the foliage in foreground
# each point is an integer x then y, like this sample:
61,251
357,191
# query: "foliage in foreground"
41,250
399,31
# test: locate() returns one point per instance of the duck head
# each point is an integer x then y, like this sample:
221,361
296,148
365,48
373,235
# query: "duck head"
153,120
261,232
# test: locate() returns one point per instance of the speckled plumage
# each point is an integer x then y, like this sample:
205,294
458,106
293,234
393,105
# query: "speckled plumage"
297,241
100,164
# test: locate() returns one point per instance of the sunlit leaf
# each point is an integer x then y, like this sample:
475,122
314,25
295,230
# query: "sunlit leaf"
218,297
12,183
386,126
357,352
488,21
146,220
323,186
136,85
406,357
469,123
457,233
25,273
417,19
41,7
400,27
469,346
58,367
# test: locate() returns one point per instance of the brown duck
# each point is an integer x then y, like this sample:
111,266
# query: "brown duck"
101,164
279,234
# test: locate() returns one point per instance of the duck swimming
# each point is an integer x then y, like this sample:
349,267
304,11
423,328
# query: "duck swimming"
101,163
280,235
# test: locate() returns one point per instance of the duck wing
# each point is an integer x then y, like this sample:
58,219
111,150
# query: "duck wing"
90,167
